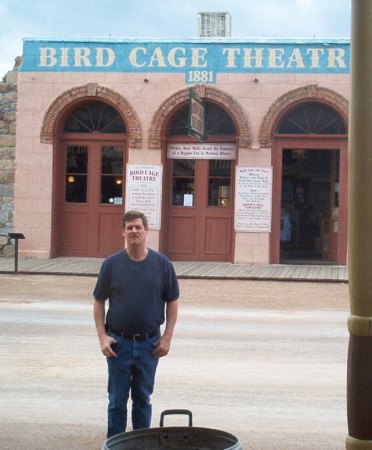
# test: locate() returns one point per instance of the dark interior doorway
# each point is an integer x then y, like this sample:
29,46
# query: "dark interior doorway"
309,202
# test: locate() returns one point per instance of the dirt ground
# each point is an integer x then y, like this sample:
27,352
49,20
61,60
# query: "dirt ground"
265,361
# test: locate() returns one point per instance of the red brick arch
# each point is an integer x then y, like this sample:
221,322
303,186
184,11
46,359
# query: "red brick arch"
209,93
91,90
283,103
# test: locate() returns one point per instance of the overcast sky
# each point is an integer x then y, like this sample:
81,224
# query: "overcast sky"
321,19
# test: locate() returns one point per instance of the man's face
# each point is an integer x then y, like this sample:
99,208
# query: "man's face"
135,232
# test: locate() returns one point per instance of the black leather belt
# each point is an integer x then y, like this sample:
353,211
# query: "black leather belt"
132,337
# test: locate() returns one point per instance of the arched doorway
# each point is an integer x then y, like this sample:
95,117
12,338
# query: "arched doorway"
309,185
198,205
88,198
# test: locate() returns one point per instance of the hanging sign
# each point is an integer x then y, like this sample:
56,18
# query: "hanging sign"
144,189
201,151
196,116
253,199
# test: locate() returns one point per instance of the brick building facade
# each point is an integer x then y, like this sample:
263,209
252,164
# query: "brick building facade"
104,125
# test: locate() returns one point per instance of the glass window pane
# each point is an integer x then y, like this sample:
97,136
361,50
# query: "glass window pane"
312,118
183,192
183,167
76,188
219,183
111,190
219,192
112,160
217,121
219,168
77,159
112,174
111,122
183,182
76,174
95,117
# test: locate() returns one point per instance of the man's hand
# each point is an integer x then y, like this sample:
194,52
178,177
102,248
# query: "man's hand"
164,343
106,342
162,347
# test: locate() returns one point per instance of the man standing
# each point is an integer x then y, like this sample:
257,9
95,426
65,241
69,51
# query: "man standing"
142,290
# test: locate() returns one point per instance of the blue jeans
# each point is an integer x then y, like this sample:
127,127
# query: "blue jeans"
132,371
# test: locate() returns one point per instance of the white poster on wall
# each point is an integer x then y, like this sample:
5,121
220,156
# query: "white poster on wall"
144,189
253,199
202,151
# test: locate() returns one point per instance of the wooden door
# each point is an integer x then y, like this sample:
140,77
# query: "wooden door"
199,210
90,198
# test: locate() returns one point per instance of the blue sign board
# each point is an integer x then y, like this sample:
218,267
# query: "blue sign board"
200,60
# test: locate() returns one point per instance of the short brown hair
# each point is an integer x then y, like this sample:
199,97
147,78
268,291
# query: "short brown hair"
131,215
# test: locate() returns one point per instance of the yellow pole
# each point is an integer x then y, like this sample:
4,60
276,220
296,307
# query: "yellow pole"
359,373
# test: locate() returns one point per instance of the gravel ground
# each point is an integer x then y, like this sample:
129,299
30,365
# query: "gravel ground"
265,361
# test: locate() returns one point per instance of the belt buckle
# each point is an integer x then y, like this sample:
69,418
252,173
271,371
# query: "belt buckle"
136,336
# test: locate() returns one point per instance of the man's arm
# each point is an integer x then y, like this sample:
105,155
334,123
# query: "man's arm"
164,343
105,341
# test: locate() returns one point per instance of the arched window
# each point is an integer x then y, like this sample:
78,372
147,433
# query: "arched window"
217,122
95,117
312,118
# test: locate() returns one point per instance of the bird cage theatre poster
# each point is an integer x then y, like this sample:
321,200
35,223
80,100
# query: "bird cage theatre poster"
236,149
